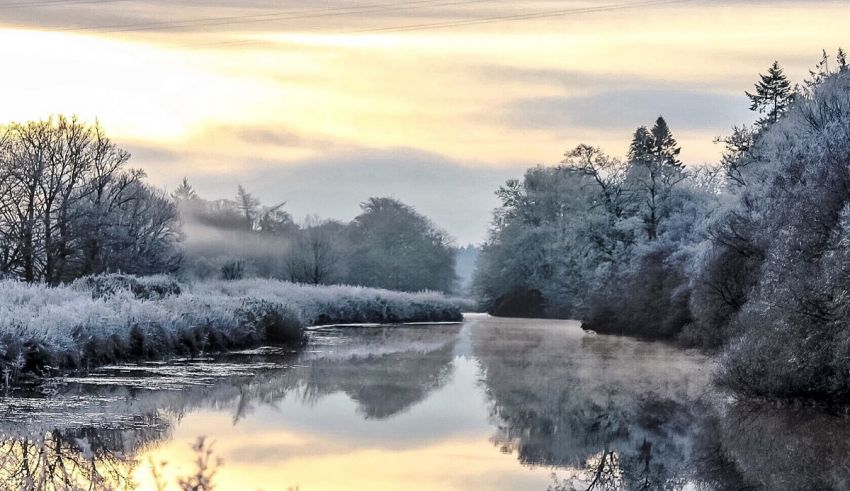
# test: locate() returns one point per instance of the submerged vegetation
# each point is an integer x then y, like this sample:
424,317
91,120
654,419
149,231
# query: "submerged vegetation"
116,318
750,256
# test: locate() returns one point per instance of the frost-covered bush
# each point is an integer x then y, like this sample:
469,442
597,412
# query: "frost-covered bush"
791,332
115,318
317,305
146,287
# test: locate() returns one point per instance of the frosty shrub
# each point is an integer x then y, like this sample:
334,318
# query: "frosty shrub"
117,318
145,287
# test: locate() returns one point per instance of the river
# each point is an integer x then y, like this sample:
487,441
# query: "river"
486,404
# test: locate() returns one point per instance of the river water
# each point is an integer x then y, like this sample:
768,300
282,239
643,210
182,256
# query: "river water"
486,404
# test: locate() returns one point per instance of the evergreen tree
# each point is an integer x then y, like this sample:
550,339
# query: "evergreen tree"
664,145
655,169
247,204
842,60
184,192
773,95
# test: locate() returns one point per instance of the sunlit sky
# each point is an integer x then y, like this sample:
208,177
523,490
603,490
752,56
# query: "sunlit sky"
434,102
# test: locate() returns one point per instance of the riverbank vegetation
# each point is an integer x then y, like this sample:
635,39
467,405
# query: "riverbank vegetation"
115,318
749,256
72,213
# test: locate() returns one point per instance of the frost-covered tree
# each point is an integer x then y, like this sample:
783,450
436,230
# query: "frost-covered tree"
773,95
602,239
69,206
761,267
544,243
314,257
736,154
822,69
184,192
792,224
607,172
654,170
392,246
247,205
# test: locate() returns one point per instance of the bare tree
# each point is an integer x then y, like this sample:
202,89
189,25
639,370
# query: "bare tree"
314,254
67,205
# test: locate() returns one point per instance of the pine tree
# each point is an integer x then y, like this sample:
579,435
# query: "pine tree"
664,145
248,206
841,57
184,192
773,95
655,170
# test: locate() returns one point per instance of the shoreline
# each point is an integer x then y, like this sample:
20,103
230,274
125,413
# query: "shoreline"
113,319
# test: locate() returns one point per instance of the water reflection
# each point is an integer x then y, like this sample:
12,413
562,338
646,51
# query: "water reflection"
618,412
496,404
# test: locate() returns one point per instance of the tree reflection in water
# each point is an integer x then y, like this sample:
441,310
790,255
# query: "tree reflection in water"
82,459
614,413
385,370
601,412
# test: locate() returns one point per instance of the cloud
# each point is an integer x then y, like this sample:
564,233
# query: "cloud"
627,109
145,152
566,79
204,16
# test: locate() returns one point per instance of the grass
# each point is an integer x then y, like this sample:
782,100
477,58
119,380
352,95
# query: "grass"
117,318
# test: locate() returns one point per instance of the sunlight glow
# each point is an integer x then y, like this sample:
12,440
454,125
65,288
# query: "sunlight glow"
453,92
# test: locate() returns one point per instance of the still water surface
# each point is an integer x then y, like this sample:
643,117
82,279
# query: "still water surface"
487,404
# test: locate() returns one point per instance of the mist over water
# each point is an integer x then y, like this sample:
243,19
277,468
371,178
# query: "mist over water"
490,403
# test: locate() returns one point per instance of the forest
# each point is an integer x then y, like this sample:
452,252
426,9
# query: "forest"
748,258
70,206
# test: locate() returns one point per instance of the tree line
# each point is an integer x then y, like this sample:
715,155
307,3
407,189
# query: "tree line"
387,245
750,256
71,206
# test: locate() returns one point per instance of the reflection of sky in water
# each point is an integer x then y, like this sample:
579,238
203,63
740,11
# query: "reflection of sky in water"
442,442
491,404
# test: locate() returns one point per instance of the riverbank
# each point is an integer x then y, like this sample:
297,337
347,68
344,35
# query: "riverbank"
118,319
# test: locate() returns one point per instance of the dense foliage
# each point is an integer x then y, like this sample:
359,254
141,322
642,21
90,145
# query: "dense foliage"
392,246
600,238
752,255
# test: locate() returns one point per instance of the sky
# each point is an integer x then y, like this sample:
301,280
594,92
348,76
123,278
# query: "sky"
434,102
